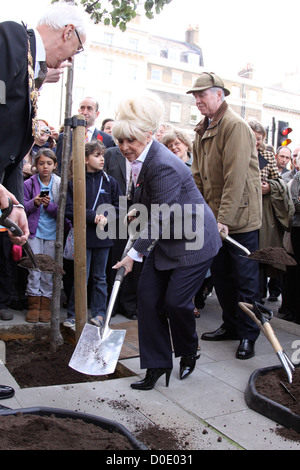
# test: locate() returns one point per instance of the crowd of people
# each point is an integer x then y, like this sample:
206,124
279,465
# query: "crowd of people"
223,181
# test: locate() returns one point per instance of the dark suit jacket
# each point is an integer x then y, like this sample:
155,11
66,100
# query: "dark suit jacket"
115,165
106,139
16,113
191,235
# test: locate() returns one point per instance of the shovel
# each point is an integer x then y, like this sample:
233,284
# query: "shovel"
262,316
271,253
98,349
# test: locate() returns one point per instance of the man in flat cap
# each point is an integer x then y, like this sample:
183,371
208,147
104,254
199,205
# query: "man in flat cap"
226,170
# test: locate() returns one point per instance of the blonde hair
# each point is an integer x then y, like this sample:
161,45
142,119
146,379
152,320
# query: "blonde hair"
137,116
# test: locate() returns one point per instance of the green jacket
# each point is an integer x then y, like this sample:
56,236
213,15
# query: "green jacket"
226,170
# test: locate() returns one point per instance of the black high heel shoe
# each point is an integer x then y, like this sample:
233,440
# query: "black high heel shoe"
187,365
152,376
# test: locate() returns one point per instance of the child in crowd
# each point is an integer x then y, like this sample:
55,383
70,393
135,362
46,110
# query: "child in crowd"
41,197
100,189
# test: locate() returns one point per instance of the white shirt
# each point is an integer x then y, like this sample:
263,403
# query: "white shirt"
40,54
132,253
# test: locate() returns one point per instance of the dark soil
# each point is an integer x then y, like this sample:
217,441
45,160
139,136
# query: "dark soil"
44,263
33,364
275,386
273,255
32,432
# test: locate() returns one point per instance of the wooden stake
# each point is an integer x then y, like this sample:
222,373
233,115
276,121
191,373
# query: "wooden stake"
79,202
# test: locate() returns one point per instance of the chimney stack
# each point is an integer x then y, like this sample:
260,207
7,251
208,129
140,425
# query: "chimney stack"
192,35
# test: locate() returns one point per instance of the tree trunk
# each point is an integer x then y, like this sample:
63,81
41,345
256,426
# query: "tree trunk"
56,337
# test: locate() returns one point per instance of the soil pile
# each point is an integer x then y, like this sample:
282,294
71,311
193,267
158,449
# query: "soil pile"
44,263
32,432
273,255
275,386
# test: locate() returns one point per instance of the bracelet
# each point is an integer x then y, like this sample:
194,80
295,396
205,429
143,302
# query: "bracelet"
19,206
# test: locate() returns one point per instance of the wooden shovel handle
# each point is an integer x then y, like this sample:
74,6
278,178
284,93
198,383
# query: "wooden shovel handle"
265,328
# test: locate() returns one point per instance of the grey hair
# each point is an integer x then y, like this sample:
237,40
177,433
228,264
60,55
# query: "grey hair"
214,89
138,115
62,13
174,134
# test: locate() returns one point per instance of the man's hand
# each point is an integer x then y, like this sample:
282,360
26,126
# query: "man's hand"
18,216
127,262
223,228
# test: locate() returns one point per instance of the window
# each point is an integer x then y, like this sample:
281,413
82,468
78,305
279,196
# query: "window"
156,74
80,61
176,78
108,39
193,59
195,115
252,95
235,91
174,54
175,112
134,44
132,71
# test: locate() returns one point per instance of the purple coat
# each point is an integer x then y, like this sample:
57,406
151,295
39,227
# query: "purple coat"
31,189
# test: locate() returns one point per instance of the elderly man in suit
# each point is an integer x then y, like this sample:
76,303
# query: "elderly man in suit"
25,56
89,108
45,46
178,240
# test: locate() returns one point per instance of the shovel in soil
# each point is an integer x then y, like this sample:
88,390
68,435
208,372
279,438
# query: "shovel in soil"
40,262
269,255
98,348
262,316
10,225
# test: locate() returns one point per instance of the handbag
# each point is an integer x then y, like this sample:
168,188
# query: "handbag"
69,246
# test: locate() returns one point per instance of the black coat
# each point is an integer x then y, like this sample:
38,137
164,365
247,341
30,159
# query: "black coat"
16,111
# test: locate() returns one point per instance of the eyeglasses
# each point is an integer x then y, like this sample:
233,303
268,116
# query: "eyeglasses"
81,48
175,144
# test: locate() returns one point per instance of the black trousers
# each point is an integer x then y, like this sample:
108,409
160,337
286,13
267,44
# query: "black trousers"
5,270
166,312
236,279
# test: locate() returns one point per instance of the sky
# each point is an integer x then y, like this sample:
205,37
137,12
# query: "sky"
232,33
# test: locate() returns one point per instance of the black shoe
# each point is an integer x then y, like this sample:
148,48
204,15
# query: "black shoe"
152,376
187,365
272,298
6,314
218,335
245,349
6,392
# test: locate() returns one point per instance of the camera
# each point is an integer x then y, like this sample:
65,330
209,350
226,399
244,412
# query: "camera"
44,193
45,130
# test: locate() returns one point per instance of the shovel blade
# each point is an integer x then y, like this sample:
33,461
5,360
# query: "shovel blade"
94,355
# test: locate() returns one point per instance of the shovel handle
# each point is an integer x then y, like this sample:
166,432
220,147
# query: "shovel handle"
265,328
233,242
